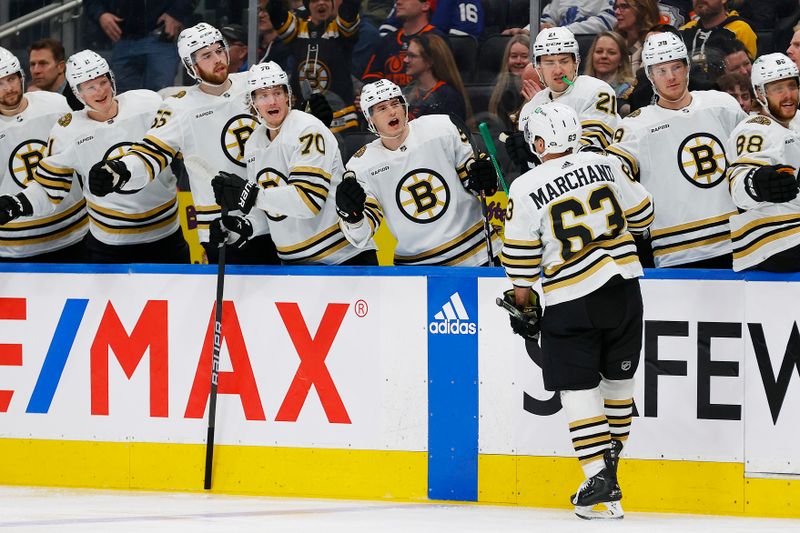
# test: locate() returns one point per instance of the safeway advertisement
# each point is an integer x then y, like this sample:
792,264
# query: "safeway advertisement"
306,361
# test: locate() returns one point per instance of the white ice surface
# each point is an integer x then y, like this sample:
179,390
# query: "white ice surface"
72,510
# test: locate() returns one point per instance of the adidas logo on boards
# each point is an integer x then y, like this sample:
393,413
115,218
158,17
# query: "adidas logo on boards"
452,319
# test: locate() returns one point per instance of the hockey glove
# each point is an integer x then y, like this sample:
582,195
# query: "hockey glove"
232,192
525,319
231,230
775,183
350,198
108,176
481,176
519,151
13,207
318,106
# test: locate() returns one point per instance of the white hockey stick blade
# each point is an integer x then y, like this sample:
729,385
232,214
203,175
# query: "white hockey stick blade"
612,511
199,167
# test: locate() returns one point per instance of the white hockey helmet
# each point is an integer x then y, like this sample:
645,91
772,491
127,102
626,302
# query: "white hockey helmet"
662,48
262,76
769,68
9,64
552,41
84,66
377,92
196,38
556,124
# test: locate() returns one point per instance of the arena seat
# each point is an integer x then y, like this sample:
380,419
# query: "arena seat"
479,96
519,13
490,57
465,52
495,15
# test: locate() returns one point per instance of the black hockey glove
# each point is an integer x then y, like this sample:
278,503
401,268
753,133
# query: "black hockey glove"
350,198
277,12
519,151
108,176
481,176
524,320
318,106
232,192
13,207
775,183
231,230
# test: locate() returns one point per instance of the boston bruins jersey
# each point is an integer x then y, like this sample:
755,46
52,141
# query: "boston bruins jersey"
77,142
23,143
593,100
420,191
569,223
298,172
761,229
679,156
214,128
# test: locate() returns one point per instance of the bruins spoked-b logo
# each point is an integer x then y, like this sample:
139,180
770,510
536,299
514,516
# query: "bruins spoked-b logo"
234,135
316,73
701,159
423,195
117,151
270,177
24,159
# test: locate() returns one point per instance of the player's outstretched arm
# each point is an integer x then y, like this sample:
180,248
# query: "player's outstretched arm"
636,202
360,213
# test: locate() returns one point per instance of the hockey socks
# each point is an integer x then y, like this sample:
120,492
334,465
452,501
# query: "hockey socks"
588,428
618,407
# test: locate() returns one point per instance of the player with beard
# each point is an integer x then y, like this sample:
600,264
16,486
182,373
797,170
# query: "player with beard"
293,164
25,123
422,177
763,180
141,227
210,121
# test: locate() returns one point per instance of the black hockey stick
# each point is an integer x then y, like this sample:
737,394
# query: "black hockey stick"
197,166
487,228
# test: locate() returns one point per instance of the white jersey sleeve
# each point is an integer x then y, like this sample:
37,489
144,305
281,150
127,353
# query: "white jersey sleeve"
55,174
756,142
147,158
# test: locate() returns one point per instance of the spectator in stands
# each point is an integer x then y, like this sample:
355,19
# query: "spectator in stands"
270,47
451,17
46,60
578,16
713,17
763,14
608,60
674,12
144,54
736,58
794,47
322,46
634,19
388,60
437,87
236,36
738,85
507,97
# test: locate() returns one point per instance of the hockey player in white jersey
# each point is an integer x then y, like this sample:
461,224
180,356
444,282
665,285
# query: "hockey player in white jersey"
675,148
568,225
141,226
25,122
556,57
422,178
293,166
763,179
210,121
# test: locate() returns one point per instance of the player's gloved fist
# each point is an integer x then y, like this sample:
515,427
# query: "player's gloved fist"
526,322
231,230
482,176
233,192
519,151
318,106
108,176
774,183
13,207
350,198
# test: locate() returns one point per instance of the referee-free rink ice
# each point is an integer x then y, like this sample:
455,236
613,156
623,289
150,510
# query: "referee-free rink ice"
73,510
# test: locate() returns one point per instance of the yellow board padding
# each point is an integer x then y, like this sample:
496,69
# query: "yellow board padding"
268,471
188,221
647,485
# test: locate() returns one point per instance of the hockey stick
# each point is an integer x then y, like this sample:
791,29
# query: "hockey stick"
487,228
492,149
199,167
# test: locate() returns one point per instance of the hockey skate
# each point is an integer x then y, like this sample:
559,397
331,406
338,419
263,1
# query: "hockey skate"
601,490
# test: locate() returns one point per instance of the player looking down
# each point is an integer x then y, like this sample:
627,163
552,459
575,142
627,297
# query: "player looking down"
422,177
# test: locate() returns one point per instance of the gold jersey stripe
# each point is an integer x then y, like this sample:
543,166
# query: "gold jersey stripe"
460,239
132,216
744,252
680,247
58,217
136,229
316,239
719,219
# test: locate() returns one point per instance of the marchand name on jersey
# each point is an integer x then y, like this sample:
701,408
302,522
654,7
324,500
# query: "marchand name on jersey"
570,181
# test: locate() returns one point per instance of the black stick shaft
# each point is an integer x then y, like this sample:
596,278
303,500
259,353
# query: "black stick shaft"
487,229
212,400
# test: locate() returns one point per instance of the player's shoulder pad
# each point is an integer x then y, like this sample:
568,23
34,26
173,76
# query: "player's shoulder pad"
716,99
65,120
